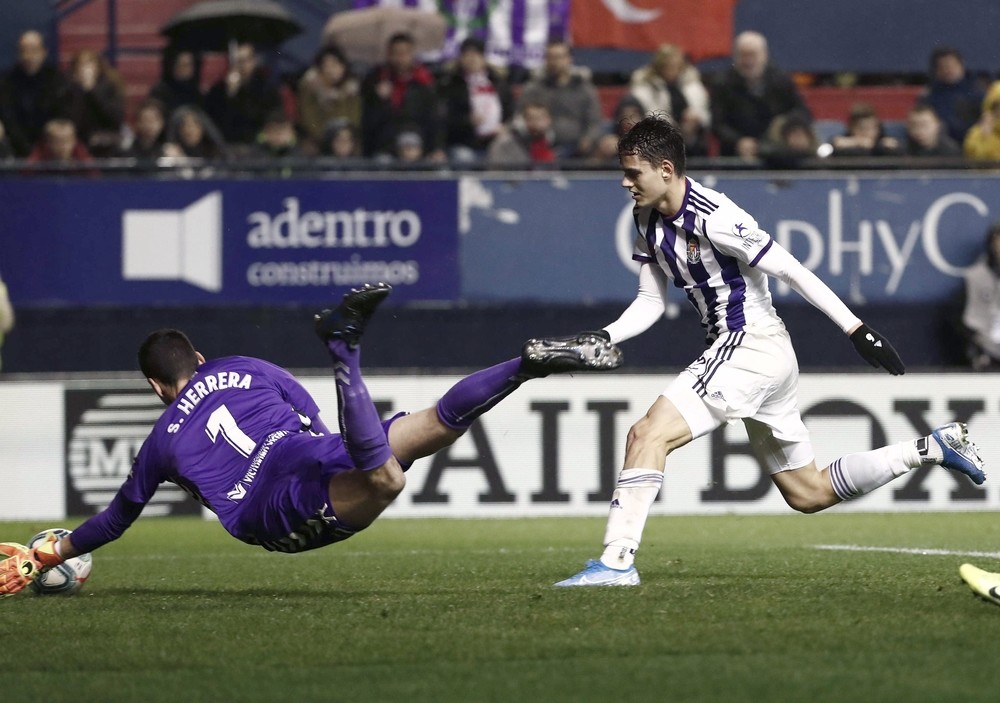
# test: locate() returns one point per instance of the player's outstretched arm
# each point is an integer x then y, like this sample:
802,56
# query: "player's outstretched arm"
876,350
645,310
22,565
873,347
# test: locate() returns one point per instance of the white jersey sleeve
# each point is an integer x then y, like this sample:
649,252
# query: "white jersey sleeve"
646,309
779,263
735,232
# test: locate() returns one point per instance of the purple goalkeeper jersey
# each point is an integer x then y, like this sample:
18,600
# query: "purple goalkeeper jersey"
211,441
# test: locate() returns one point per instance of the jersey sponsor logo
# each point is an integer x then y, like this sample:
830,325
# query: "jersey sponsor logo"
261,454
751,237
105,428
238,493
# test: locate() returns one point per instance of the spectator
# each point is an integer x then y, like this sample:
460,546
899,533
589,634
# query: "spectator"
31,93
327,91
240,102
749,96
790,140
476,101
399,92
864,136
96,103
529,140
6,314
925,135
955,95
670,85
628,111
277,139
60,145
409,147
180,81
341,141
149,137
983,139
981,314
572,101
6,151
192,134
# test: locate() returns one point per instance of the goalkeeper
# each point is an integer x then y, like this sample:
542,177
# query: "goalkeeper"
244,438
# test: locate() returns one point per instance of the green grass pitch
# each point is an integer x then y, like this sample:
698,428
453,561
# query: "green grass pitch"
731,609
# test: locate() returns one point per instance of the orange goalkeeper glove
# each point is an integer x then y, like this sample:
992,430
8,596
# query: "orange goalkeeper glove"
23,565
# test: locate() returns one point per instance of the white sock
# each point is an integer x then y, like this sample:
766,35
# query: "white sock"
630,505
929,450
854,475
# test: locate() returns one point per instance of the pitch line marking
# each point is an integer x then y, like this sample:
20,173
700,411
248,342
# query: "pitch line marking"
907,550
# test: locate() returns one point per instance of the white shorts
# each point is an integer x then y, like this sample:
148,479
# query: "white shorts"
750,375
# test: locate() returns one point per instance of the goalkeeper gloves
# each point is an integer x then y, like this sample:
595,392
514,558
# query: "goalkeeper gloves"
23,565
876,350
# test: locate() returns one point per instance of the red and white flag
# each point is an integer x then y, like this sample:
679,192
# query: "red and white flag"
701,28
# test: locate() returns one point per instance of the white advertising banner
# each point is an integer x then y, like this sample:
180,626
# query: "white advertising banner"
554,447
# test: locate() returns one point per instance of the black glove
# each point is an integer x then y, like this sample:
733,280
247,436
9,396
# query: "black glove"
876,350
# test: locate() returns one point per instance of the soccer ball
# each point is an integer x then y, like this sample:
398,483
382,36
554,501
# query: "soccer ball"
67,578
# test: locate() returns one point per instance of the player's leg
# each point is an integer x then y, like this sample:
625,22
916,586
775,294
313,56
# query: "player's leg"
809,490
781,443
947,446
729,381
360,495
663,428
650,440
423,433
985,584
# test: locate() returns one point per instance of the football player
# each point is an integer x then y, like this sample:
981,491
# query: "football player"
716,253
244,438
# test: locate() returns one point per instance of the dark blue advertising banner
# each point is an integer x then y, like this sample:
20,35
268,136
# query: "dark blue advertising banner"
226,241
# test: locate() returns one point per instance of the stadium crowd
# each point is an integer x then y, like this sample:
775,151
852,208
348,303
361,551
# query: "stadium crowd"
465,112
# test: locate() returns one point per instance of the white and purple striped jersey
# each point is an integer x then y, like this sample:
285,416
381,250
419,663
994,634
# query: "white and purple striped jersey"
709,248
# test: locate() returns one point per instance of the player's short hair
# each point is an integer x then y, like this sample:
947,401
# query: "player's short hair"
655,138
167,355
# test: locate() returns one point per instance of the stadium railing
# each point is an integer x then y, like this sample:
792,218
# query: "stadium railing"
171,167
